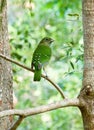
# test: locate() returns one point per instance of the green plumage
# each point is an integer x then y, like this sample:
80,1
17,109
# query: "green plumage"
41,56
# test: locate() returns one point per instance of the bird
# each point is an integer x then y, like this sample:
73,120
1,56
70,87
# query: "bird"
41,57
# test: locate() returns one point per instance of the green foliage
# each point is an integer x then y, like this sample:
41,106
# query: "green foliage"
29,22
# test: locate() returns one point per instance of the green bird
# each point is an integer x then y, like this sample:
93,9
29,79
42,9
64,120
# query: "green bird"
41,57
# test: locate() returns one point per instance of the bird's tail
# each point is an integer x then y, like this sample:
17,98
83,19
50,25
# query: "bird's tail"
37,75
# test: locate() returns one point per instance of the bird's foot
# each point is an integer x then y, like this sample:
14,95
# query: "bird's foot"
46,76
45,73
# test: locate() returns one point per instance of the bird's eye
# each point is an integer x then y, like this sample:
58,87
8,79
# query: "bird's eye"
46,39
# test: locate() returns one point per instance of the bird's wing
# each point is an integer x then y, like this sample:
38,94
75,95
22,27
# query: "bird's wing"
41,56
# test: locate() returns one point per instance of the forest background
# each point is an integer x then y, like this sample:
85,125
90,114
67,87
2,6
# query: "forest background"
30,21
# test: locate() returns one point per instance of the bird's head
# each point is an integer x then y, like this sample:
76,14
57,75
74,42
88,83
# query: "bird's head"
46,41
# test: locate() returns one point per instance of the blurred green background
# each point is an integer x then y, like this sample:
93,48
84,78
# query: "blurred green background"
29,21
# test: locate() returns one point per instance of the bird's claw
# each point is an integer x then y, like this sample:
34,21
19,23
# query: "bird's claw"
46,76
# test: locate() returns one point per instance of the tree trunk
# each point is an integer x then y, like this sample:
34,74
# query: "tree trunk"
87,92
6,101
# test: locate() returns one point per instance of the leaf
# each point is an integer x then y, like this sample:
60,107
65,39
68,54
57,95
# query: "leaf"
74,14
72,65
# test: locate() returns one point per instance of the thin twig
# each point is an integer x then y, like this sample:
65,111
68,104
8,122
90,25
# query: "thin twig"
29,69
41,109
17,123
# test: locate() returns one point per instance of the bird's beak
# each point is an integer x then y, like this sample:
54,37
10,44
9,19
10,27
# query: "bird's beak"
52,40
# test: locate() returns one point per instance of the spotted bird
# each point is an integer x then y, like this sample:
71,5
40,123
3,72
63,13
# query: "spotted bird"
41,56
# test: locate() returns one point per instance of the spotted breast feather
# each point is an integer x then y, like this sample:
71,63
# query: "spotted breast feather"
41,56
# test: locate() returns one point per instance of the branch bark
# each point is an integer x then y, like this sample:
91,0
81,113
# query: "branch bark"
43,108
29,69
17,123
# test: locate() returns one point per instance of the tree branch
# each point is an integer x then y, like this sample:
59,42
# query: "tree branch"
42,109
17,123
29,69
